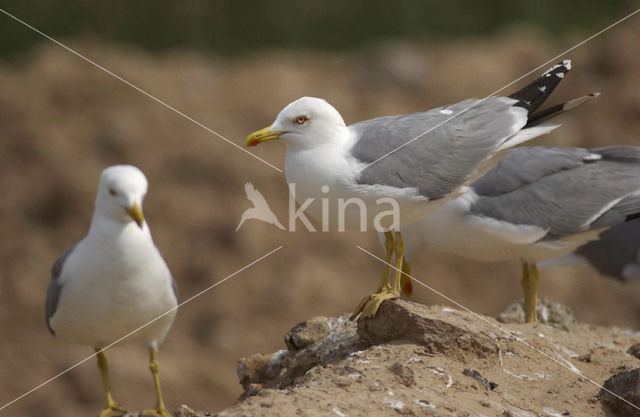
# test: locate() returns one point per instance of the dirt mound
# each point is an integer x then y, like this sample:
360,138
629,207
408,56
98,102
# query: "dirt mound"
437,361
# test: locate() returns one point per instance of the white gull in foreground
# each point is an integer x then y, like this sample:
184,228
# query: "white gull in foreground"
413,163
114,281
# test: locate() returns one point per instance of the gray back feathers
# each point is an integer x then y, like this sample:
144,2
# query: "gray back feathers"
564,190
443,159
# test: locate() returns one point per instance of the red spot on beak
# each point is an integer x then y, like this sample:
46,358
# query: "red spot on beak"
254,142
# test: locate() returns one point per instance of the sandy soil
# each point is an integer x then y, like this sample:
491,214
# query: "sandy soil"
62,121
414,360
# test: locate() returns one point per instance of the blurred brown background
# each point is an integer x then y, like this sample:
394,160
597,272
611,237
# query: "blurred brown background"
62,121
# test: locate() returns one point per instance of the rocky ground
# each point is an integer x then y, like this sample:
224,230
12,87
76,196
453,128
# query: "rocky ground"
418,360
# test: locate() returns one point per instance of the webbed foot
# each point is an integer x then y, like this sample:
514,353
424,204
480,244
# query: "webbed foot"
370,304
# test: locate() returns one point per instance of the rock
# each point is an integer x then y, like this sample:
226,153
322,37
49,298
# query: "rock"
307,333
412,322
549,312
185,411
404,374
259,368
483,381
585,358
634,350
317,341
626,384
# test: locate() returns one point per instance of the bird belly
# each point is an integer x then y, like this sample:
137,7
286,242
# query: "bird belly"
453,229
98,311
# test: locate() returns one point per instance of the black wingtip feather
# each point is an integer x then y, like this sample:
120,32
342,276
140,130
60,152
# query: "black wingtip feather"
541,116
534,94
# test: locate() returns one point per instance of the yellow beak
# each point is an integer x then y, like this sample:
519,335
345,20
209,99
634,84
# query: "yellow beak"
136,214
262,135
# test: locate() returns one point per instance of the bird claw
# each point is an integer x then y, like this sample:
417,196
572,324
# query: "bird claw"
370,304
113,411
360,307
162,412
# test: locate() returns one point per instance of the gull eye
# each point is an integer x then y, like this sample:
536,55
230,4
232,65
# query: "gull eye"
113,192
300,120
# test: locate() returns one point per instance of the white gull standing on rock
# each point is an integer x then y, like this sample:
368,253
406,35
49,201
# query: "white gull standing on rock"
401,168
114,281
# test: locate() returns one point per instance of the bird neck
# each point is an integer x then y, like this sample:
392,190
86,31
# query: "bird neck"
109,229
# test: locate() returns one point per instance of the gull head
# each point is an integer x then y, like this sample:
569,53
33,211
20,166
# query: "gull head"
120,194
304,124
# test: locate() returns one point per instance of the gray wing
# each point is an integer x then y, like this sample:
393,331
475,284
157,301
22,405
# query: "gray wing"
174,287
563,190
55,288
526,165
444,158
617,248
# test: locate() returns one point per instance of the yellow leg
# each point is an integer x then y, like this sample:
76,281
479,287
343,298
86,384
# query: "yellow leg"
530,278
370,304
112,409
160,410
389,244
399,252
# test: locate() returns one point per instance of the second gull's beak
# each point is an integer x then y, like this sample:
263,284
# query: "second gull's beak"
262,135
136,214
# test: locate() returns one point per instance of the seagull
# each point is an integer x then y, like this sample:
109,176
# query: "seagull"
260,210
114,281
414,163
540,203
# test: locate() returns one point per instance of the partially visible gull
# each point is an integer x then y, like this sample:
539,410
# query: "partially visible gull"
616,253
407,165
538,203
114,281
